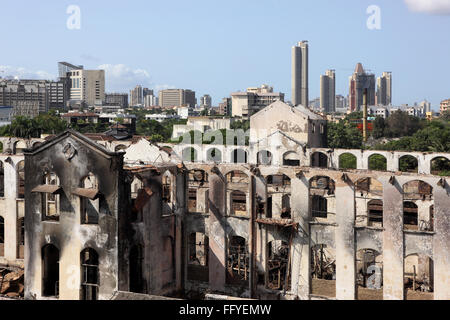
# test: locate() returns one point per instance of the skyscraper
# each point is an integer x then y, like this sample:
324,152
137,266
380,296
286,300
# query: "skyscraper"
384,89
136,96
177,98
87,86
328,92
359,81
300,74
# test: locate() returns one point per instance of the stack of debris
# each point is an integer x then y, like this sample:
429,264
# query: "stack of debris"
11,283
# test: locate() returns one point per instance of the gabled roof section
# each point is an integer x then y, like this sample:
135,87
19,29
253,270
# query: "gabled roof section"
300,110
82,138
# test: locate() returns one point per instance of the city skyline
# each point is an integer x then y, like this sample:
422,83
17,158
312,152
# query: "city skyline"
171,60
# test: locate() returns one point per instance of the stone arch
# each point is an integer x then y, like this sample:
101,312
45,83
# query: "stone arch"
418,277
264,157
238,264
319,160
323,270
369,274
377,162
347,161
50,270
214,155
291,159
322,197
239,156
369,202
408,163
189,154
440,166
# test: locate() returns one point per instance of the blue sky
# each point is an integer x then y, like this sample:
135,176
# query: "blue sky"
218,47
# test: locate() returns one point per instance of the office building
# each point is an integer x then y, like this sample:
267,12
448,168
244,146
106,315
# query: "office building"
445,105
206,101
25,95
244,104
136,96
116,99
300,86
328,92
87,87
177,98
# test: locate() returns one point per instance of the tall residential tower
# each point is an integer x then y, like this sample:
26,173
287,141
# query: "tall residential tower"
328,92
384,89
359,81
300,74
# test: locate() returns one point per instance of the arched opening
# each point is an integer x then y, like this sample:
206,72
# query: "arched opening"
347,161
264,158
36,144
189,155
239,156
136,260
319,160
408,164
50,271
21,180
214,155
418,277
20,238
440,166
369,275
377,162
89,202
2,236
278,269
2,180
237,188
238,270
198,257
291,159
286,207
89,274
322,199
369,203
120,147
323,271
137,192
19,146
417,200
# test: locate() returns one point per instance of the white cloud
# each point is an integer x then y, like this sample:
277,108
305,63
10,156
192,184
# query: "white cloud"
440,7
121,78
23,73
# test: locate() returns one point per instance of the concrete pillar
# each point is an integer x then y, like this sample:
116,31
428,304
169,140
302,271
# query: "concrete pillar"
441,242
360,161
217,250
300,245
392,162
422,165
393,245
345,241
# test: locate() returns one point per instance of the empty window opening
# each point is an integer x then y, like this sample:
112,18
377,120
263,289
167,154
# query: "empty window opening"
322,186
375,213
377,162
286,207
408,164
237,261
2,180
410,216
319,207
20,238
50,274
440,166
136,259
89,275
50,199
264,158
198,257
418,277
90,204
277,266
319,160
214,155
189,155
279,180
237,177
323,271
291,159
239,156
21,180
2,236
347,161
192,200
166,188
269,207
238,203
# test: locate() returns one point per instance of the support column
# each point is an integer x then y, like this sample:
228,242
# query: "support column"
300,246
393,246
441,242
345,241
217,250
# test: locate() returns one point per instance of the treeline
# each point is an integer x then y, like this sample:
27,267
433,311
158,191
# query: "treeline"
24,127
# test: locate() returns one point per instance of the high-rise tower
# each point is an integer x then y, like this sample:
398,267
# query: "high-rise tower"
300,85
328,92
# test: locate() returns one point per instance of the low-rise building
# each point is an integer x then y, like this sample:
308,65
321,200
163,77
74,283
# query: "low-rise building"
245,104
